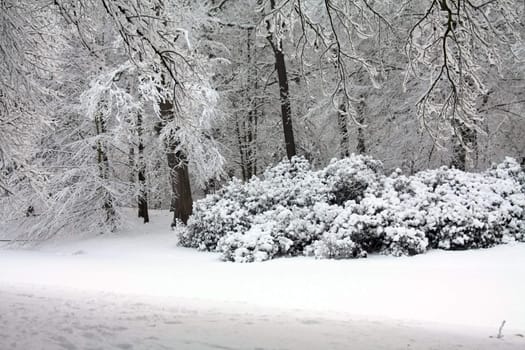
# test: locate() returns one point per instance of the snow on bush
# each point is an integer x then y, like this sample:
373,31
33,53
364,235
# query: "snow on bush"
290,184
349,178
351,209
290,230
217,215
378,223
470,210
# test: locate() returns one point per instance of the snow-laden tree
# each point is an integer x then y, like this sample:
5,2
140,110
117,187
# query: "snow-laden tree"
27,61
454,47
335,45
118,65
168,95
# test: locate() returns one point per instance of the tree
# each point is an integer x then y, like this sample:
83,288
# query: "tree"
125,58
275,27
27,53
166,61
452,46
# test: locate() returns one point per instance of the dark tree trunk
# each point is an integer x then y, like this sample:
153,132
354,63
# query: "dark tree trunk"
181,199
361,147
182,202
103,168
459,155
143,192
242,155
342,120
465,141
284,93
250,147
143,197
131,163
286,109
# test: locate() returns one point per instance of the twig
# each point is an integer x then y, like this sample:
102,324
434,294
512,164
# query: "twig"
500,335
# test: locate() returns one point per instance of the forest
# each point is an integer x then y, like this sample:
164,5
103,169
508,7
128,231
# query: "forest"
262,174
151,104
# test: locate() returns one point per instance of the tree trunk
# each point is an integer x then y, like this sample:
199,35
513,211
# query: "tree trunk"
143,192
459,155
240,141
465,141
361,147
251,137
131,163
286,109
181,199
342,120
284,93
465,149
246,124
103,168
182,202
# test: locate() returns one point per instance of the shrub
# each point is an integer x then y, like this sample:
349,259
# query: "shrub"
509,169
290,184
289,230
349,178
351,209
256,244
214,217
472,210
372,226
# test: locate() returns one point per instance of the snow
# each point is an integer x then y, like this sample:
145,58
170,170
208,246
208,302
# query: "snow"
106,321
140,278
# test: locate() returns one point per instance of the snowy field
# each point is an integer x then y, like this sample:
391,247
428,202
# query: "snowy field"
41,319
138,290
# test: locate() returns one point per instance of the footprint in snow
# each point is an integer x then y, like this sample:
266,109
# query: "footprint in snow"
173,322
64,343
88,335
308,322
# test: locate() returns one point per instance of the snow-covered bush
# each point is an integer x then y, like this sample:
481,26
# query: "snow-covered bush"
400,241
348,178
351,209
215,216
372,226
290,231
473,210
509,169
256,244
338,241
290,184
334,245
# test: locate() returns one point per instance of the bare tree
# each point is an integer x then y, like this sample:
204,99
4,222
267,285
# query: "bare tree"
452,47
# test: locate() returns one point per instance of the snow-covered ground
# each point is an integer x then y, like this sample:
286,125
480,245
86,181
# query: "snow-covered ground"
42,319
138,290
